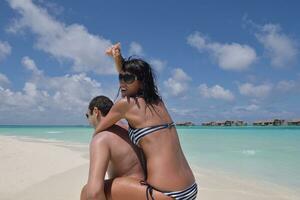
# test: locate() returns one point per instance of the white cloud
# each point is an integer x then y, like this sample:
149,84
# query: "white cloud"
72,91
25,99
52,7
157,64
30,89
260,91
65,98
5,50
30,65
3,80
64,42
247,108
232,56
177,84
279,47
286,85
216,92
185,112
135,49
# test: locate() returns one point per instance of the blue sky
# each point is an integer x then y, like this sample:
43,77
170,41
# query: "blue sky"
214,60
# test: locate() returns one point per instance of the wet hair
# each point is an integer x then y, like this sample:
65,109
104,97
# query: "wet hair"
145,74
103,104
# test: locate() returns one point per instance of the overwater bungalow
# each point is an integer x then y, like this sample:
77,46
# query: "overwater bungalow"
219,123
206,123
240,123
295,122
212,123
225,123
228,123
263,123
185,124
278,122
272,122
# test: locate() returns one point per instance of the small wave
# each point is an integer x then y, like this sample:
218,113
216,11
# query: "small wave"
55,132
249,152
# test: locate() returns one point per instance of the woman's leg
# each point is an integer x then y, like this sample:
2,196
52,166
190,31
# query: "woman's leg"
128,188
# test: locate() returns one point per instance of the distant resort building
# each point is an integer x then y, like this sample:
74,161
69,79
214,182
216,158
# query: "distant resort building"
240,123
225,123
185,124
208,124
273,122
277,122
295,122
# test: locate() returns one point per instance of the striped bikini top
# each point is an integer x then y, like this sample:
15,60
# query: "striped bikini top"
135,134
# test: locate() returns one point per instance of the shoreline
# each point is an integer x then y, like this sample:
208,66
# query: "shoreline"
28,163
49,169
177,125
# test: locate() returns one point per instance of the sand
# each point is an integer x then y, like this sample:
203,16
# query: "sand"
33,169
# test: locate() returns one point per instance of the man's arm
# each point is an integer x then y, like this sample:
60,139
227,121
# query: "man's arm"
99,159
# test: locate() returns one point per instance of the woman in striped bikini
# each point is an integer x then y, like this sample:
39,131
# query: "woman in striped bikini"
169,175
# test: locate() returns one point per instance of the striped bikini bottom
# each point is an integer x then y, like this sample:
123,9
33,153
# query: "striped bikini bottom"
189,193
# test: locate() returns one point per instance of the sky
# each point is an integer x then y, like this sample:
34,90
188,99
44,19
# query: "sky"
214,60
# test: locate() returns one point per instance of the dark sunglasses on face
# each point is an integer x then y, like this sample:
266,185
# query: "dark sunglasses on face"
87,115
127,78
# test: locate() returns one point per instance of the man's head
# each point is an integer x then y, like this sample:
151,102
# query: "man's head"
98,107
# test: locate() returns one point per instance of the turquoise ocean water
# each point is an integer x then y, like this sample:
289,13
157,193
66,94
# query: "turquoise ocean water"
266,153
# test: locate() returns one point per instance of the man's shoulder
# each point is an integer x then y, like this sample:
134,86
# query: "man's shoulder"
115,134
102,137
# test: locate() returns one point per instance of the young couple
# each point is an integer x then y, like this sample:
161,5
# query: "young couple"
150,140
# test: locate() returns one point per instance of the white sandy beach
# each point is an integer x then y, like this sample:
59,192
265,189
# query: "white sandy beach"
34,169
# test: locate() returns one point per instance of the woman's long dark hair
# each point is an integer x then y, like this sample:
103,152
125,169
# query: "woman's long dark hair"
145,74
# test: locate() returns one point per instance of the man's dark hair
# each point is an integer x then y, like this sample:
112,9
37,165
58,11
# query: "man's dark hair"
103,103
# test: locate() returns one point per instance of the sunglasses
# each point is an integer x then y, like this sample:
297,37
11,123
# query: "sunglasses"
87,115
127,78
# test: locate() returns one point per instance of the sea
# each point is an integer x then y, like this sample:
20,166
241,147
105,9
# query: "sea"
269,154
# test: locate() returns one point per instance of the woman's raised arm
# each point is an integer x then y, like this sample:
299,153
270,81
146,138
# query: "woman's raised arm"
115,52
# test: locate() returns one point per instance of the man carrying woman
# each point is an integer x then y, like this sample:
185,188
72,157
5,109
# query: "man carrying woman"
151,128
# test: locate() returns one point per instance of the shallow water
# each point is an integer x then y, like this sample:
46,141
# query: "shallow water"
265,153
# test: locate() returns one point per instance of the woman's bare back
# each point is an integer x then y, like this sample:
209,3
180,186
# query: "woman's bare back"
167,167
